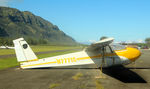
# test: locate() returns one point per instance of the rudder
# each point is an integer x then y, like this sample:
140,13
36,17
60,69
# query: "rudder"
23,51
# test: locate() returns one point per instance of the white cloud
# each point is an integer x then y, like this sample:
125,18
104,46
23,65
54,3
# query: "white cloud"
7,2
4,2
133,41
129,41
140,41
117,42
92,41
136,41
88,42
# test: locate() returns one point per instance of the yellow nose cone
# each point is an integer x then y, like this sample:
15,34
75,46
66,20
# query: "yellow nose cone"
133,54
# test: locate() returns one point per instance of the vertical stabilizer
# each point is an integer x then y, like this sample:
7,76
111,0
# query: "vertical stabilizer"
23,51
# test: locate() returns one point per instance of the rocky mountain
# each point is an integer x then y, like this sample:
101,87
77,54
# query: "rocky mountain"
15,24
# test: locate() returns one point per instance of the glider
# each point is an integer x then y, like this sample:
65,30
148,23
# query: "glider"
102,53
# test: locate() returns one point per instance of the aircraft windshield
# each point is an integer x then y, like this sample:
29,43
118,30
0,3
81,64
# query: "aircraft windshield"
117,46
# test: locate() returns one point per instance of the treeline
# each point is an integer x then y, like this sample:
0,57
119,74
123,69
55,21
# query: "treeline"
146,44
36,42
31,41
5,41
147,41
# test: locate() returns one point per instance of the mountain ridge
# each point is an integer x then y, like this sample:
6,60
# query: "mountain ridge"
15,24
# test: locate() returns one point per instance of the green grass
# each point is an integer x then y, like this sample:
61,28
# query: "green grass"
8,62
12,62
77,76
6,51
39,49
54,85
98,85
50,48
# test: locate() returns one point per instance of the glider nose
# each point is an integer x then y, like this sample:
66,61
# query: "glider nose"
133,54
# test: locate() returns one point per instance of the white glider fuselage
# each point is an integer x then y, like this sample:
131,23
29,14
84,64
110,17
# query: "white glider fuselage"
82,58
28,59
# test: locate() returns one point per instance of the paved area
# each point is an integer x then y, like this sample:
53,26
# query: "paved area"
133,76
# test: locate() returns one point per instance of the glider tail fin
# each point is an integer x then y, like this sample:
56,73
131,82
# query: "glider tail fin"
23,51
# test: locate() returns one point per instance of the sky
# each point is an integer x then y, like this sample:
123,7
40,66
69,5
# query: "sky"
88,20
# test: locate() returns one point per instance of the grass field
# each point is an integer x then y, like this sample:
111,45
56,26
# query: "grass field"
12,62
39,49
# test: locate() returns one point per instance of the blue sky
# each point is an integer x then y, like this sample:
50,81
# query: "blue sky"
88,20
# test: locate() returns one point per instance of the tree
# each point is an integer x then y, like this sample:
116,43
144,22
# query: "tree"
42,41
32,41
103,37
147,40
5,41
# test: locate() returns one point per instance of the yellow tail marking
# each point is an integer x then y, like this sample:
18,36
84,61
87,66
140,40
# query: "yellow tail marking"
33,60
38,64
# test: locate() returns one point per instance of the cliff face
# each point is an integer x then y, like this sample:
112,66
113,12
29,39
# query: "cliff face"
15,24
